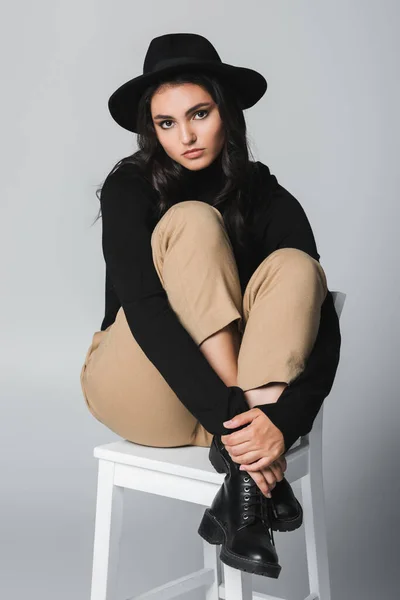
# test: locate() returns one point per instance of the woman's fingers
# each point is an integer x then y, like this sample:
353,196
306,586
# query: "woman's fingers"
269,477
246,457
283,462
259,479
252,462
266,479
276,470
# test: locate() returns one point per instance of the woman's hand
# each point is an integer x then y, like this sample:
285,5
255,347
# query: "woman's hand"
258,448
261,443
266,478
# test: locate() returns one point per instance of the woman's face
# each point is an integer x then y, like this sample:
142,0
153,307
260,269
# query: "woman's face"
185,116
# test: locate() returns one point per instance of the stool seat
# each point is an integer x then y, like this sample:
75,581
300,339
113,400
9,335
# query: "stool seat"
185,473
184,461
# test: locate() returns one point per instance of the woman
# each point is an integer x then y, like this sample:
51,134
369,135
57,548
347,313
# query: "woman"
216,303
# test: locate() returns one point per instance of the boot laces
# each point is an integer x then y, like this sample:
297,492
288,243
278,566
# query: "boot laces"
262,506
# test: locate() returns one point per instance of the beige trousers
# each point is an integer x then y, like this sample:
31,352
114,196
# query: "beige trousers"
278,319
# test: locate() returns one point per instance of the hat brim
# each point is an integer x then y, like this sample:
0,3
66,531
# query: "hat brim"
249,85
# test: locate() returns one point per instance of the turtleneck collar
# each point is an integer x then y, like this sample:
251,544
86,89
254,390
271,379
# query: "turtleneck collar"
203,184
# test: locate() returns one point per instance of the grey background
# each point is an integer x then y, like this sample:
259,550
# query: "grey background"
328,128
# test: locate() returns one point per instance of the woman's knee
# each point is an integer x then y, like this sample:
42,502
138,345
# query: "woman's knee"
196,217
299,264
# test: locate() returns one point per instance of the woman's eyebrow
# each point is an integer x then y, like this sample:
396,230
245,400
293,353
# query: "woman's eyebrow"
189,110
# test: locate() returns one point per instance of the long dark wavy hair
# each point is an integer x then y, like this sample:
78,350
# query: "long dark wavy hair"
165,174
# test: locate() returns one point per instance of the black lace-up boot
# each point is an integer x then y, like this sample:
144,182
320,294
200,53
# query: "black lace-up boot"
287,513
239,519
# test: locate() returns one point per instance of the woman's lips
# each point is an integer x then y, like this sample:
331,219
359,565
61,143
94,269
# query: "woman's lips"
194,153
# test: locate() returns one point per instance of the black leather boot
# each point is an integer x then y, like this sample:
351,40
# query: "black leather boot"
287,513
240,520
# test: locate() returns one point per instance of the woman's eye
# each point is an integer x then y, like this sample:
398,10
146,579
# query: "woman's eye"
201,111
162,123
198,112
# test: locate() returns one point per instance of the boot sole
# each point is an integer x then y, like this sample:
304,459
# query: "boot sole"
213,532
289,524
276,525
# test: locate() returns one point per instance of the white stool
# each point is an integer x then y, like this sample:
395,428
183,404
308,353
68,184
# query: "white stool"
186,473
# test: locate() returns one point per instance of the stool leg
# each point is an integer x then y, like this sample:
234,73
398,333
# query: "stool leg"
211,561
238,584
312,488
109,511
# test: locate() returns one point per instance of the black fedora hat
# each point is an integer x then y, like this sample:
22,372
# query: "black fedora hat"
171,53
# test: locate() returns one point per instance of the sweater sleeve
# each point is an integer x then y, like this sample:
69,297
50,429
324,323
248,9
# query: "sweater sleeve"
126,208
286,225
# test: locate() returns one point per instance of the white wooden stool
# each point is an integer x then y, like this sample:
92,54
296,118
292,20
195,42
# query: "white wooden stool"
186,473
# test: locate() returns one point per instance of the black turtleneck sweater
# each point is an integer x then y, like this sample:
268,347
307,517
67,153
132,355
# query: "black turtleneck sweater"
277,220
